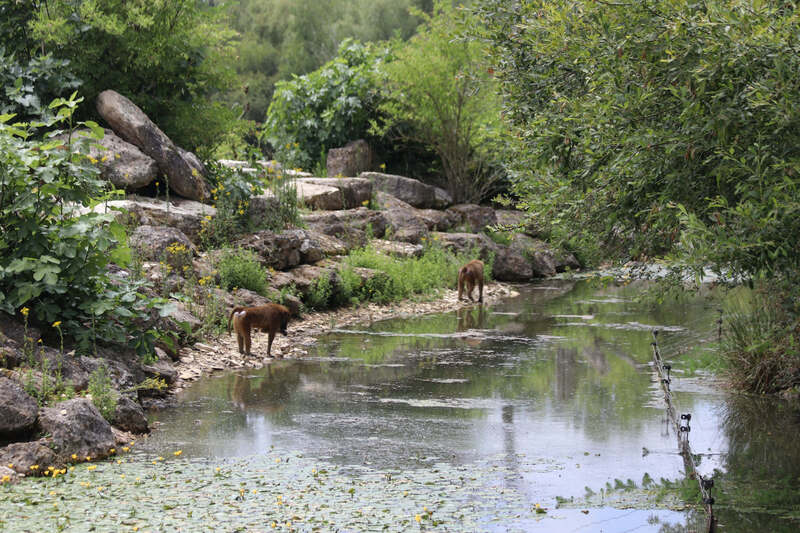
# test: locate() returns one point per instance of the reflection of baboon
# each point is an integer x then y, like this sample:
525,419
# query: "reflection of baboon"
467,319
471,274
271,318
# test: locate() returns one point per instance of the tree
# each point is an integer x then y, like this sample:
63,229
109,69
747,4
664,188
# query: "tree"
441,94
644,122
328,107
170,57
281,38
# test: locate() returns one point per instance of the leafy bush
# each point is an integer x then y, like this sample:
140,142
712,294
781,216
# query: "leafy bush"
28,87
241,268
54,251
326,108
761,342
170,58
625,112
440,95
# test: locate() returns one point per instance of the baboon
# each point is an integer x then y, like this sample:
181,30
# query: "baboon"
270,318
470,274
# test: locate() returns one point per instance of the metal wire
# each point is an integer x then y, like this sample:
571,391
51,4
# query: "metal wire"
682,432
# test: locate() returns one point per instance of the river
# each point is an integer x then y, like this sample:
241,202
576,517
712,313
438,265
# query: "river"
540,413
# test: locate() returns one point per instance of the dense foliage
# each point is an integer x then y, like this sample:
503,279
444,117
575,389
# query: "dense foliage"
281,38
327,108
170,58
648,128
54,249
638,120
440,94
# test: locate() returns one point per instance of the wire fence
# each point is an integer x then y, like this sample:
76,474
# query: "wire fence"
682,424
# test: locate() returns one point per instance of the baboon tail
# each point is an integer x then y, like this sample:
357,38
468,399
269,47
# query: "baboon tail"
235,310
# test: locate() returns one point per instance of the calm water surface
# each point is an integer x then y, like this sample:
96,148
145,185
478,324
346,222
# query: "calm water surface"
554,387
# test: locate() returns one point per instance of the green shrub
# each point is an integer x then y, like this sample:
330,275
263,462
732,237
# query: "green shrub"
54,258
327,108
320,293
761,341
102,392
241,268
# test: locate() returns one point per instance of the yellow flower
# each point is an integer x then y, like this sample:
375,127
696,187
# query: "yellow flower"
112,450
177,453
24,311
125,448
56,323
418,518
5,479
88,457
11,465
383,166
34,467
92,159
92,467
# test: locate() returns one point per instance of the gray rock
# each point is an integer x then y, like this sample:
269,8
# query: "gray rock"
24,455
76,426
437,220
441,199
121,163
355,157
350,226
409,190
397,249
510,265
129,416
163,369
406,225
18,411
350,193
544,260
475,217
151,242
133,126
476,245
387,201
185,215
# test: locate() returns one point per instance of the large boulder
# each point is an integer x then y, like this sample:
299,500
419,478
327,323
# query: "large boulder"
133,126
510,265
351,225
437,220
350,193
29,458
387,201
409,190
185,215
76,427
121,163
284,250
352,159
18,411
406,225
474,217
477,245
129,416
157,243
544,260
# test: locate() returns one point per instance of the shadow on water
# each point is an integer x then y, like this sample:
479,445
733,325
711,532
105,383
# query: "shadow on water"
554,386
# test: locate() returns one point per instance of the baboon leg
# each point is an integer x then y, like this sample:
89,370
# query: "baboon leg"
460,286
247,341
480,290
240,339
269,343
470,288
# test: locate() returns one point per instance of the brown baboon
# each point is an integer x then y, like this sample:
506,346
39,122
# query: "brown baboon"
471,274
271,318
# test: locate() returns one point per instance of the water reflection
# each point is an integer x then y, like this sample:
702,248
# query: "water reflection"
554,383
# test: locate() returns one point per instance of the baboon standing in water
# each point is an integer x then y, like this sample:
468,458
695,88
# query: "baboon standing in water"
471,274
271,318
